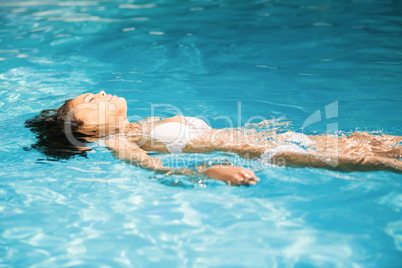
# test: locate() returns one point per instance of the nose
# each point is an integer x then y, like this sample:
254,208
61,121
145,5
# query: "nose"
102,94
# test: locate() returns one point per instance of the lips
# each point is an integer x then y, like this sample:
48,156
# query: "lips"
109,97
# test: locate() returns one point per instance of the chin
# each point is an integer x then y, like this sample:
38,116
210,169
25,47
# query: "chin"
122,102
121,99
121,105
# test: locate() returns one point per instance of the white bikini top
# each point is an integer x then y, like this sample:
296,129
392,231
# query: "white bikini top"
176,135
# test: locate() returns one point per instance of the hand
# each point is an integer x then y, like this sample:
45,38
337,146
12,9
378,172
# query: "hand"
232,175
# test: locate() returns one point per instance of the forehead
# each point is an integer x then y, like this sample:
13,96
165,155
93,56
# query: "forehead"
78,100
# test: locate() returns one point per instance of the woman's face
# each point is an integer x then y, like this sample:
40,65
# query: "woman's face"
99,108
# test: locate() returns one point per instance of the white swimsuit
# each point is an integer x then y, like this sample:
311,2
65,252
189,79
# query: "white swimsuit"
176,135
289,146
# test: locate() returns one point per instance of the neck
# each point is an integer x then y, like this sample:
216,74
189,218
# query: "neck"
104,129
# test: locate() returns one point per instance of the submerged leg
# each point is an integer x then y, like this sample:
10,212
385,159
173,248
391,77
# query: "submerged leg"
334,162
363,143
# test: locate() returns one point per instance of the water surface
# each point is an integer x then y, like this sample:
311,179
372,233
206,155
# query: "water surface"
245,60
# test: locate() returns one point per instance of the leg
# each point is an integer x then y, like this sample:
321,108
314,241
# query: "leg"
334,162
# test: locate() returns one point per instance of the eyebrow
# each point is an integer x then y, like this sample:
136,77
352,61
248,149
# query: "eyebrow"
85,97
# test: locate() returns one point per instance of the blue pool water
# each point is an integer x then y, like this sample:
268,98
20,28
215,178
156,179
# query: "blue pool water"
246,60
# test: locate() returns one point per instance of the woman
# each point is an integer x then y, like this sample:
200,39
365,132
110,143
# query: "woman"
103,115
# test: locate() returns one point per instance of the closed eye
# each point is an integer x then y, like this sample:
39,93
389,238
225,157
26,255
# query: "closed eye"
89,97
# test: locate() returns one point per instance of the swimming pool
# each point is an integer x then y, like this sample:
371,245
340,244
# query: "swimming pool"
243,59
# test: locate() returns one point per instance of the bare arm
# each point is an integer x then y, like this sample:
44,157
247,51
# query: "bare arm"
132,153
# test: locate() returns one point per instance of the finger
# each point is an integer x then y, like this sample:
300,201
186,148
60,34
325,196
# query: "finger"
247,173
238,180
250,176
246,181
252,180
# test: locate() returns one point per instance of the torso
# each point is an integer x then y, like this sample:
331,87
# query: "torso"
158,133
171,134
